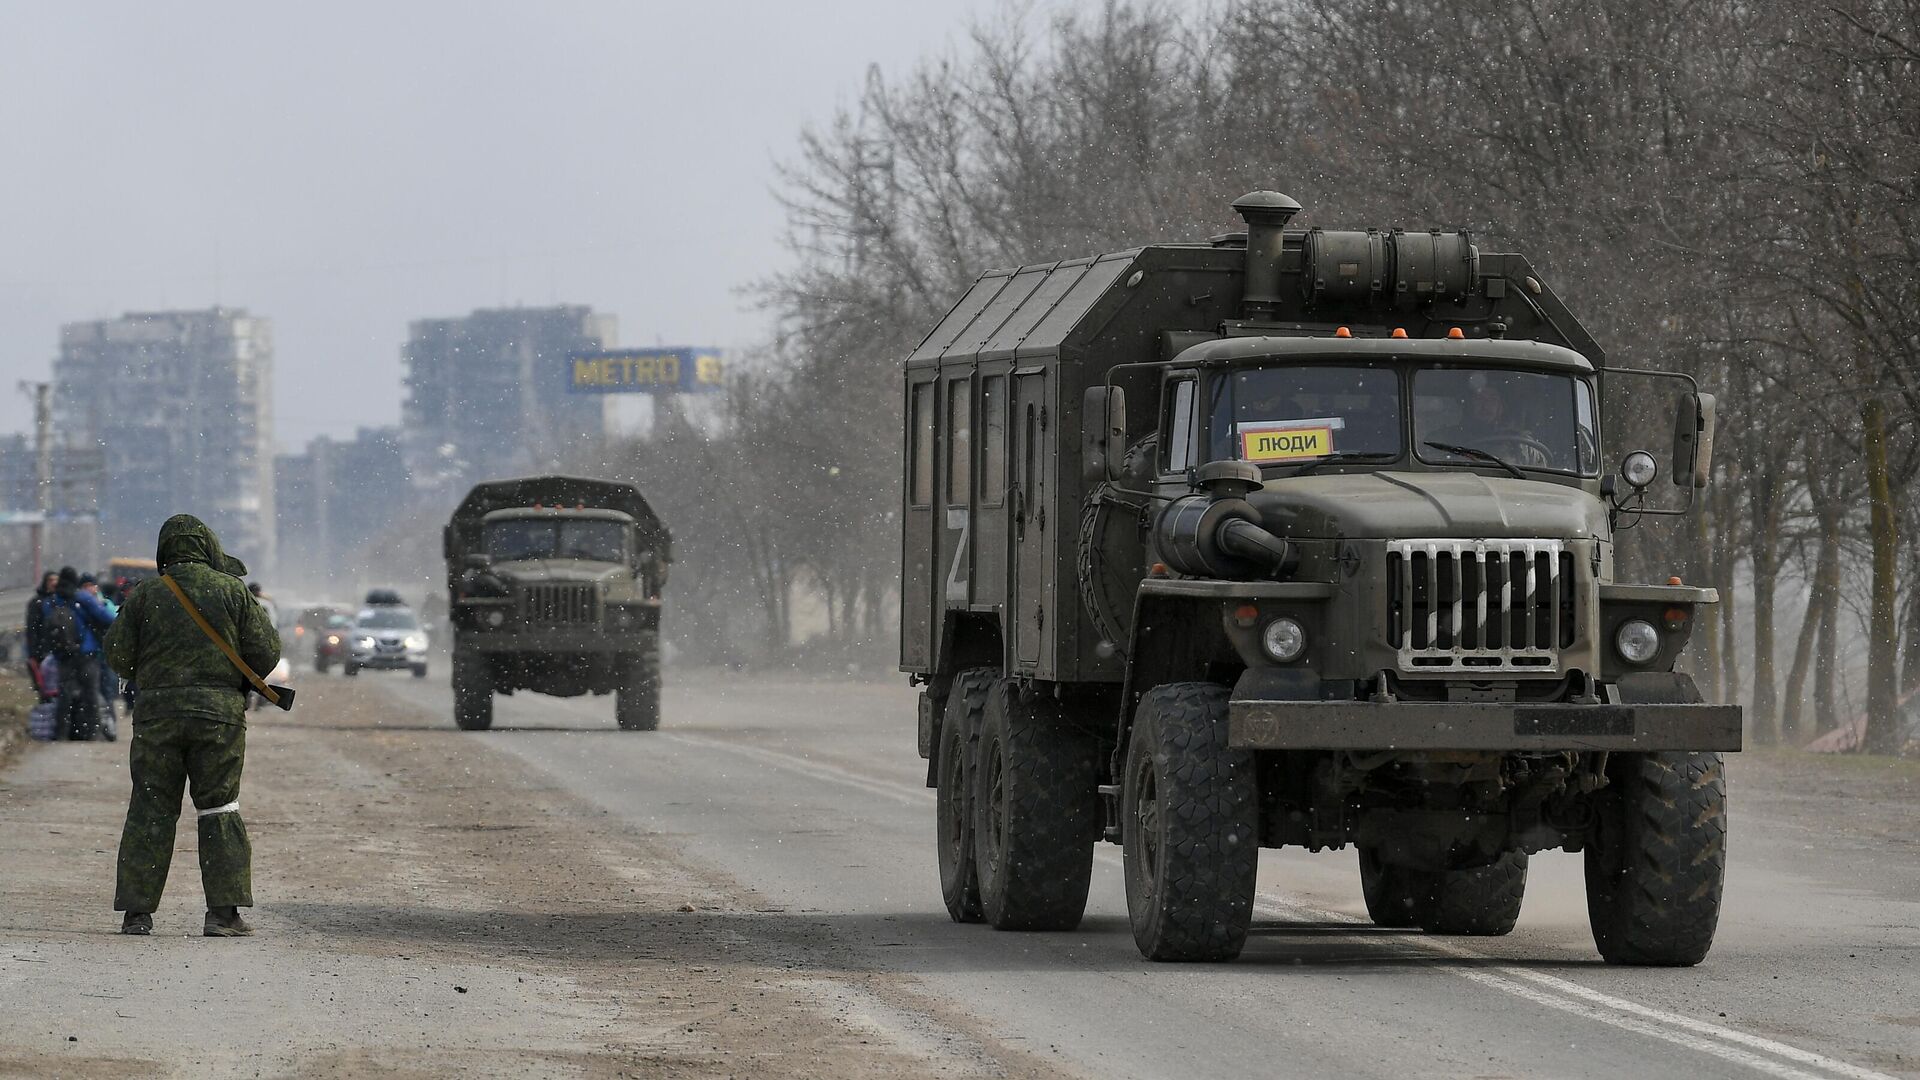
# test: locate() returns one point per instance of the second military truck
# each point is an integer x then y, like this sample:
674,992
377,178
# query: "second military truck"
1299,537
554,586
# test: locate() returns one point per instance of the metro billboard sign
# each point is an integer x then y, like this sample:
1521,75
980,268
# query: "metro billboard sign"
685,370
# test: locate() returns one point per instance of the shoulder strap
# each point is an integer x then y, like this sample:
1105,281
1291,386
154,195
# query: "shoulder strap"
233,657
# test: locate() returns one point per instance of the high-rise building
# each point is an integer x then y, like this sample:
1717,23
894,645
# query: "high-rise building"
180,407
335,498
487,393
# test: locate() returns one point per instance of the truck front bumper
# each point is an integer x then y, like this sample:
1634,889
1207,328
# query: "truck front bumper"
1407,725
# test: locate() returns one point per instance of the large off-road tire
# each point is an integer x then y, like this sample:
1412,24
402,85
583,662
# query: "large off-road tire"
1397,897
960,727
472,694
1189,818
1483,901
1036,812
1657,858
637,701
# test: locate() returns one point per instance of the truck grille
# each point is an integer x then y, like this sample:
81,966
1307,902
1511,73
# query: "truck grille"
560,605
1480,605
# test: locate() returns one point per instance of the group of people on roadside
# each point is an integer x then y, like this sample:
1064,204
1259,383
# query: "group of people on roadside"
66,633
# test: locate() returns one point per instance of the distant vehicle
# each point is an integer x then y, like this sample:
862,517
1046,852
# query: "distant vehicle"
329,633
553,585
386,638
385,598
130,572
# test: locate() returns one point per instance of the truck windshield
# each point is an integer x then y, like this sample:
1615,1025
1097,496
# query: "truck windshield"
1293,415
548,538
1528,419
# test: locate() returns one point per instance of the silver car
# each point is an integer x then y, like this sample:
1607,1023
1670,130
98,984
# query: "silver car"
387,637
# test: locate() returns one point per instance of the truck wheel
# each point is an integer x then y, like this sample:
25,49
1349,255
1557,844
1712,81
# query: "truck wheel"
1483,901
1036,813
1189,815
472,694
636,704
1397,897
1657,858
953,795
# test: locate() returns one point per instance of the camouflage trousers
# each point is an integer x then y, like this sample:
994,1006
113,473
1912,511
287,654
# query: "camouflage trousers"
167,754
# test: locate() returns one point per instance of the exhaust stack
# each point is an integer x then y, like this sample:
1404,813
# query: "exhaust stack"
1266,214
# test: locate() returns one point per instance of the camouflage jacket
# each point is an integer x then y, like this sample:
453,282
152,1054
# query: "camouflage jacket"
155,645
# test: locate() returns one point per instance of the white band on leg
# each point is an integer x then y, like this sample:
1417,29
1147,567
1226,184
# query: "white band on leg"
230,808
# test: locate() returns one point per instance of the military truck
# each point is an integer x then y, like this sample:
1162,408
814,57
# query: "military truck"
553,585
1300,537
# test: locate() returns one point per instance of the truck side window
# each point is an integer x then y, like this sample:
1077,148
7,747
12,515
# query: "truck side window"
959,441
922,421
1179,426
993,439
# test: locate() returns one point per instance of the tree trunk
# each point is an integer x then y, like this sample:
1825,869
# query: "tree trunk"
1705,570
1812,632
1764,553
1882,629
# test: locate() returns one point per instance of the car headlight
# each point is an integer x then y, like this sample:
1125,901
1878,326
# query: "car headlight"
333,639
416,642
363,643
496,617
1637,641
1284,639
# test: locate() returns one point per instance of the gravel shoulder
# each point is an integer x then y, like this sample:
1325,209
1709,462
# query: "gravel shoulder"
427,907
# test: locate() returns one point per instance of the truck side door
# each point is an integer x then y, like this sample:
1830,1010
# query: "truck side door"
919,605
1031,530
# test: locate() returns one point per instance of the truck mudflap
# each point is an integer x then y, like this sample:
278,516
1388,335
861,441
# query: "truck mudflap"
1256,724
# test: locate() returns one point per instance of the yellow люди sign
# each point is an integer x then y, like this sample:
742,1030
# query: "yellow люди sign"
1288,444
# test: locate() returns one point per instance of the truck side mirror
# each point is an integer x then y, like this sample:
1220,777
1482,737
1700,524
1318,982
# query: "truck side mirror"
1103,432
1693,423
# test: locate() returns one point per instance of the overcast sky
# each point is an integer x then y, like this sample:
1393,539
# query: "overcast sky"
344,168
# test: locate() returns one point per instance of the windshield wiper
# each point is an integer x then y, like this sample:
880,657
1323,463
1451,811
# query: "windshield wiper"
1340,459
1478,454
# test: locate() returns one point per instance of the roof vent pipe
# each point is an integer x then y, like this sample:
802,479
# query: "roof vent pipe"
1266,214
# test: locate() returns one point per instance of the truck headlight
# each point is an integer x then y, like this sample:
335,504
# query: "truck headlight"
1636,641
1284,639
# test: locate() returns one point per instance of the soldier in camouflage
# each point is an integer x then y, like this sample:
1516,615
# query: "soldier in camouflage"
189,725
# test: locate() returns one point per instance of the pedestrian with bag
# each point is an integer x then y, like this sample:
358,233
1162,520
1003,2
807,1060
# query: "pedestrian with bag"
36,646
192,640
74,625
109,681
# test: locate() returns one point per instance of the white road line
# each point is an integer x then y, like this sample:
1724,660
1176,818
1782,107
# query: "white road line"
1550,991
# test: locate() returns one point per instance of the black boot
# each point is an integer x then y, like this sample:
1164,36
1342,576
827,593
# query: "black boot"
226,922
138,923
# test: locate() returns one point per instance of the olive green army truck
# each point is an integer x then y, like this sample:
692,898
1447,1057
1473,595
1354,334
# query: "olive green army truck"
553,585
1301,537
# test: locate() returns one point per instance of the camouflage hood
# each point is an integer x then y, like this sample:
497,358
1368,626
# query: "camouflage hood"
186,539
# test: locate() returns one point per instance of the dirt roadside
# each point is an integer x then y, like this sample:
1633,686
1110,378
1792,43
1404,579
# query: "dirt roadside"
427,906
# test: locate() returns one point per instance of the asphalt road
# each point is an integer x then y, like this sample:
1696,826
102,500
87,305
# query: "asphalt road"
809,793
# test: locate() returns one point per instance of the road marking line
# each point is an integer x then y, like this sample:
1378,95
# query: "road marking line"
1549,990
1574,997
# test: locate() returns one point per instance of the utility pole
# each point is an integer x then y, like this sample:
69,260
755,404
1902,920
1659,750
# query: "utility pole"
42,395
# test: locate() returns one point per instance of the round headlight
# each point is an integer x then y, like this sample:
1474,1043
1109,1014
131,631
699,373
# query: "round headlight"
1284,639
1637,641
495,618
1639,468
